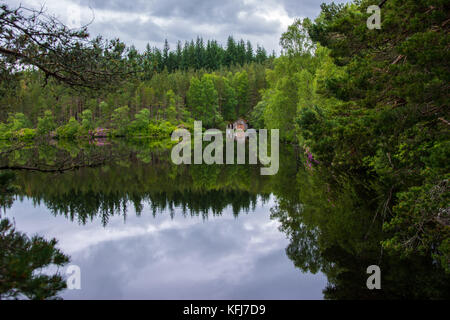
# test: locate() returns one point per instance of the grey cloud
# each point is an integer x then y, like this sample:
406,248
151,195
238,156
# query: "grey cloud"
185,20
218,11
255,26
116,5
306,8
135,30
303,8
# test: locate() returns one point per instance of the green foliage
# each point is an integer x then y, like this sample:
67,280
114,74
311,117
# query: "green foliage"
172,106
290,83
296,39
5,133
139,126
229,101
196,55
46,124
143,127
330,225
86,121
120,120
161,130
373,102
257,115
69,130
421,220
228,93
241,86
7,188
22,260
18,121
35,39
370,103
17,127
203,101
26,134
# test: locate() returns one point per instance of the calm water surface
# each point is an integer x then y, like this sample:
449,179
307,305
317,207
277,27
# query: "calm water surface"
140,227
160,257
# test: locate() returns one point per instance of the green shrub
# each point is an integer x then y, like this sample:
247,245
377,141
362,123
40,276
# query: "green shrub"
167,128
46,124
120,120
5,133
161,129
70,130
86,121
15,128
154,130
26,134
18,121
139,127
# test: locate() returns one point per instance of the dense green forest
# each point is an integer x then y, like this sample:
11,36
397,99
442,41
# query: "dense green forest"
140,107
160,95
365,103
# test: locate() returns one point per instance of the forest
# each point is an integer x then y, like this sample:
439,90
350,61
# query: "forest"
371,104
160,92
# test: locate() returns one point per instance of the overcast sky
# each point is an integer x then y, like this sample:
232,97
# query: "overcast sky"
151,21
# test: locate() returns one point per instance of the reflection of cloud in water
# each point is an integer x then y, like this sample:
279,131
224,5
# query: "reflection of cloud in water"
186,258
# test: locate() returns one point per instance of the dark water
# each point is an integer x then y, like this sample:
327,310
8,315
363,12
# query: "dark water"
140,227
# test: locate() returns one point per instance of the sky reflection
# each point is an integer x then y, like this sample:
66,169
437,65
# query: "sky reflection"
149,257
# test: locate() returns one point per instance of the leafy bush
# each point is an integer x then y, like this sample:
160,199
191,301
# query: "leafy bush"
26,134
139,127
162,129
120,120
18,121
86,121
46,124
70,130
15,128
5,133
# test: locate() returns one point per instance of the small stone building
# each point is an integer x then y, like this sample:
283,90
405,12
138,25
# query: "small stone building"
240,124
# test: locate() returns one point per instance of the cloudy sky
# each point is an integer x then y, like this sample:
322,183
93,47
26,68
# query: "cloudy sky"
151,21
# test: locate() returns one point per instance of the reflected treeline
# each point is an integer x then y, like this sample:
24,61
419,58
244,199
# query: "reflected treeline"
86,206
333,222
60,156
334,225
132,175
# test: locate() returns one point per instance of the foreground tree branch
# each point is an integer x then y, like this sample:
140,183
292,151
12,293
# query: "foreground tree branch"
32,38
70,168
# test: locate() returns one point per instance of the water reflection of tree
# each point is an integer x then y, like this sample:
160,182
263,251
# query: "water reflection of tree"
134,175
51,157
333,229
7,189
329,220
